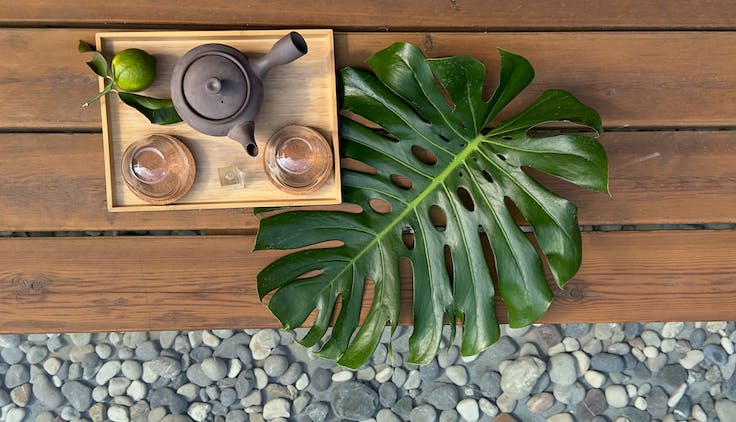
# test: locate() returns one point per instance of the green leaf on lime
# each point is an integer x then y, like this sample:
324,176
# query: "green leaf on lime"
159,111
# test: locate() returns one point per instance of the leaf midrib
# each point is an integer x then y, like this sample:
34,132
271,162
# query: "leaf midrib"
458,161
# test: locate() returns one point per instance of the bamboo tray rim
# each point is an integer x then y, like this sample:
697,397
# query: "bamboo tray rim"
259,195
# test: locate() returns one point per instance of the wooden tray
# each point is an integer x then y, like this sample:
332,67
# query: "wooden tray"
302,92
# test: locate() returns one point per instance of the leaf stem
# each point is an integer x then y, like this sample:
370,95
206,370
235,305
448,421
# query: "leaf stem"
107,89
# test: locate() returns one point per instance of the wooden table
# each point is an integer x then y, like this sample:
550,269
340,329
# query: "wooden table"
661,73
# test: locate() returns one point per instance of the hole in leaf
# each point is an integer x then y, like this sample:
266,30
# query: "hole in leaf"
444,138
449,265
310,274
369,291
463,145
355,165
406,273
465,198
507,138
488,254
437,217
380,206
408,238
402,181
487,176
444,92
501,157
423,155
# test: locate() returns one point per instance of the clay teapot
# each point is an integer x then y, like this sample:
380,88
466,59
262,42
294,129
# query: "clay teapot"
218,91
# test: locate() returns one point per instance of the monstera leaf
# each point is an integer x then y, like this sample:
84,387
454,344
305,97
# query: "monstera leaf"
431,160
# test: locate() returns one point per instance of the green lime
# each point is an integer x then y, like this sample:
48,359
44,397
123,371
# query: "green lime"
133,69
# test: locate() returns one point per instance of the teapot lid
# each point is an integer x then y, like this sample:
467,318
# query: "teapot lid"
212,81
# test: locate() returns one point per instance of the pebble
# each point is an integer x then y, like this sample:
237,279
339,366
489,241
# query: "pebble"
383,415
447,356
677,395
214,368
468,410
487,407
388,394
17,375
78,395
11,355
505,403
9,340
107,371
691,359
443,396
46,392
342,376
668,345
457,374
583,361
651,352
99,393
607,362
365,374
199,411
36,354
616,396
563,369
137,390
561,417
519,377
699,414
317,411
20,395
15,415
593,405
117,386
275,365
354,400
594,378
196,375
261,378
424,412
384,374
540,402
569,394
672,329
117,413
651,338
131,369
715,326
715,354
726,410
321,379
263,342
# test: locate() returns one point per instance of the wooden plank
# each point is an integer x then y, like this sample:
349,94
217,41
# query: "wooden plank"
636,79
380,14
56,182
110,284
655,178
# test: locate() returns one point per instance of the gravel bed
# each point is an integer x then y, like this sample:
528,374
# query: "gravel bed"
556,373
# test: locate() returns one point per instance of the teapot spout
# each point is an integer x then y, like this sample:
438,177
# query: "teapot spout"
286,50
245,134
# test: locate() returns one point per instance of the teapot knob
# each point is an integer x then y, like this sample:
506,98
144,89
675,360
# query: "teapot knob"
213,86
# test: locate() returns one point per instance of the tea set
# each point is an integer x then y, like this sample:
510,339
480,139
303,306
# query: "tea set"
218,91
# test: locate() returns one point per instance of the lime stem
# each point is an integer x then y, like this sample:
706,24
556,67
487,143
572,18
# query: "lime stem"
107,89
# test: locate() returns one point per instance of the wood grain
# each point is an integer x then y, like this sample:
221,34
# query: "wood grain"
634,79
380,14
655,178
102,284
